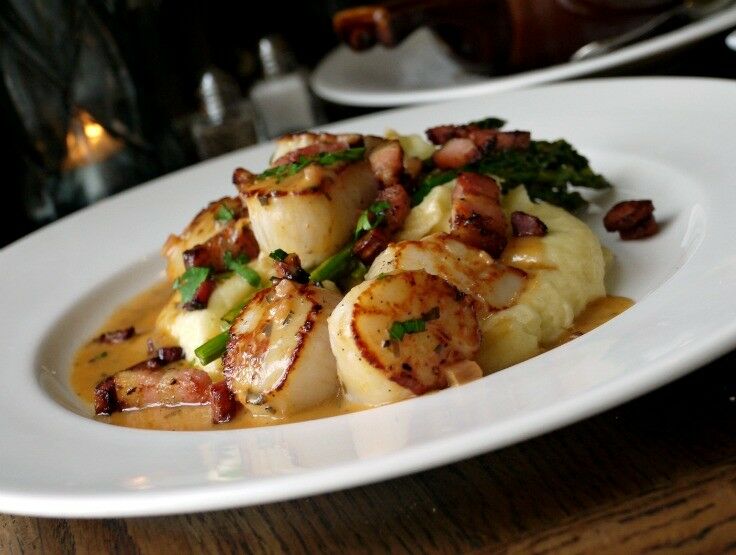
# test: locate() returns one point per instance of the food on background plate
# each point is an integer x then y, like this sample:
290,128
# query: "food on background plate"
357,271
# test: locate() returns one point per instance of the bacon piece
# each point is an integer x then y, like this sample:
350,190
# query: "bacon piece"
201,296
513,140
370,245
645,228
485,139
387,162
116,336
147,384
291,268
477,218
456,153
237,238
399,206
223,404
526,225
633,219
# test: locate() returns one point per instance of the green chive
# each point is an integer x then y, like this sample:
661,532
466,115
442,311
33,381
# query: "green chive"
212,349
333,267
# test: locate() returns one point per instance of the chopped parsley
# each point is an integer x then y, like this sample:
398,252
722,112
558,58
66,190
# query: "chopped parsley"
372,217
188,283
224,214
321,159
279,255
398,330
238,265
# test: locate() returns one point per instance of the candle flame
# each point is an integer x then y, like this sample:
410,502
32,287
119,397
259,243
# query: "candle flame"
87,142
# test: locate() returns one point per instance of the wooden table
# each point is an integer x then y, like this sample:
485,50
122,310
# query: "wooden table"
657,475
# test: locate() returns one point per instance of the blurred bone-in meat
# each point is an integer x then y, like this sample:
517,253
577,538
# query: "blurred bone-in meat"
497,36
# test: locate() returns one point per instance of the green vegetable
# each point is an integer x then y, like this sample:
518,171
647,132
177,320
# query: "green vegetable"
432,180
279,255
322,159
188,283
546,169
238,265
398,330
212,349
489,123
333,267
224,214
372,217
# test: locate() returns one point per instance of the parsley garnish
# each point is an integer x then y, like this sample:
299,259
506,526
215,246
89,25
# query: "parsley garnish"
188,283
224,214
279,255
238,265
398,330
321,159
372,217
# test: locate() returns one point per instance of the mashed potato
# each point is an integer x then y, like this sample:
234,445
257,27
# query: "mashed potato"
566,270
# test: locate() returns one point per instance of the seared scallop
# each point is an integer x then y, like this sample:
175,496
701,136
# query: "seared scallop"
223,223
394,335
279,349
473,271
311,213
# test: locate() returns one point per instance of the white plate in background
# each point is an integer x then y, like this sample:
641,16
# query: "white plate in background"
664,139
420,69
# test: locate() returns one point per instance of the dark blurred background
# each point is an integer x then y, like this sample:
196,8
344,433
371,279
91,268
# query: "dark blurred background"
155,62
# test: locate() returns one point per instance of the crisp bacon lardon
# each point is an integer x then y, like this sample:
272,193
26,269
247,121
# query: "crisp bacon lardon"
456,153
484,139
291,268
223,403
477,218
148,384
370,244
236,238
201,296
387,162
633,219
526,225
116,336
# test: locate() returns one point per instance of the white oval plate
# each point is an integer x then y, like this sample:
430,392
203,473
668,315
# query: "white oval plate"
665,139
421,70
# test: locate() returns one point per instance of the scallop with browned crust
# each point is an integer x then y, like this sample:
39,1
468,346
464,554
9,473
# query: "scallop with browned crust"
393,336
311,213
279,352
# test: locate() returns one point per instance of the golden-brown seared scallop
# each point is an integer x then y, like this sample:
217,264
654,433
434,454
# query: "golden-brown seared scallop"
279,349
311,213
471,270
394,335
225,216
